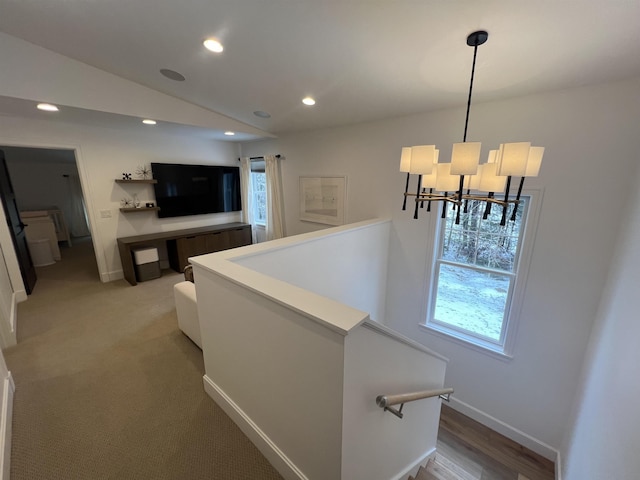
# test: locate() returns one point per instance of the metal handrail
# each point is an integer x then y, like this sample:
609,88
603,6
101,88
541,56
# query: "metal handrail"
386,401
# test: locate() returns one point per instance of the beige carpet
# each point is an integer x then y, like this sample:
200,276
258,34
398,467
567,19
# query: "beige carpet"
107,387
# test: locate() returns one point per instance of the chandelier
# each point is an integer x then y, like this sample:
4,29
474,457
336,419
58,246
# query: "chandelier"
464,178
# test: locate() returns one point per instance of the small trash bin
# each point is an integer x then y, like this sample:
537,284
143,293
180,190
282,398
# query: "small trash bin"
41,252
147,263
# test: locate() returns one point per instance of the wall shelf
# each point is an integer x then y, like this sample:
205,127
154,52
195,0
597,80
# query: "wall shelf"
140,209
150,180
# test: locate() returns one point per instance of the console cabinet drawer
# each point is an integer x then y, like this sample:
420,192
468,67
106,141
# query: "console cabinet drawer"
181,249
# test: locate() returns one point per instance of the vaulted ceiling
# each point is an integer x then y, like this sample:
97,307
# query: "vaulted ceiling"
361,60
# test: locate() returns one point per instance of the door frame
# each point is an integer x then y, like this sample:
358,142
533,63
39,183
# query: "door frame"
7,247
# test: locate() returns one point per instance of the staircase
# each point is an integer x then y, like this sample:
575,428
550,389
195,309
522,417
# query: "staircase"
441,468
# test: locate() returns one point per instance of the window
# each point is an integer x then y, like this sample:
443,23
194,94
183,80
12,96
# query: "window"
475,275
259,193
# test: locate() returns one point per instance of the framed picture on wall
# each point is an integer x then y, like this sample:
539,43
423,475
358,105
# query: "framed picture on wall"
322,199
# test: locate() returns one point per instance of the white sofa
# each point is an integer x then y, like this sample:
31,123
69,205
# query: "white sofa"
187,309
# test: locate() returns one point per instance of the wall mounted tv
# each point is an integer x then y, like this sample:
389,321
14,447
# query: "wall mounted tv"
196,189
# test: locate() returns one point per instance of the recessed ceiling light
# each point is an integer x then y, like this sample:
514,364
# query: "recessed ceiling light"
148,121
213,45
229,133
308,101
172,75
47,107
261,114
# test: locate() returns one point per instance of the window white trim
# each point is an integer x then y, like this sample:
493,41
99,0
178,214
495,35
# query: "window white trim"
473,344
505,348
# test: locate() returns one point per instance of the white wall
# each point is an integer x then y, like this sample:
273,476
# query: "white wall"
583,130
282,370
377,444
103,154
7,390
349,266
277,357
8,306
602,442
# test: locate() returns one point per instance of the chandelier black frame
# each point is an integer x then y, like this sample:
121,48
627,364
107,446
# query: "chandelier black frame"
454,182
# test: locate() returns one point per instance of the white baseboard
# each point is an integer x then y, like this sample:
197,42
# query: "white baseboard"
270,450
111,276
415,466
508,431
21,295
8,391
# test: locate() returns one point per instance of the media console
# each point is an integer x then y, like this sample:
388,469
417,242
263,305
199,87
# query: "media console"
182,244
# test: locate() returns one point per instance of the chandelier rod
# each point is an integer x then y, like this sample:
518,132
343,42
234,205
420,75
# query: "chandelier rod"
474,40
473,70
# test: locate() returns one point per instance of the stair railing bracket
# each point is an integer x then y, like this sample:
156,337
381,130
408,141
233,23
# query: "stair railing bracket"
398,413
445,397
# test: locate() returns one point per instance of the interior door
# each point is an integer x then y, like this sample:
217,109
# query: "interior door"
16,227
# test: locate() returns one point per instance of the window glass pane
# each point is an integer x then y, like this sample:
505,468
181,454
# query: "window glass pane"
259,189
472,301
473,273
482,242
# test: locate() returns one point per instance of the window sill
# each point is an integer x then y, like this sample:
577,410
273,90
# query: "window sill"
494,351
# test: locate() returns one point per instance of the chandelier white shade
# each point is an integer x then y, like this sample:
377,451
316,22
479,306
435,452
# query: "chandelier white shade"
465,158
422,159
512,158
447,182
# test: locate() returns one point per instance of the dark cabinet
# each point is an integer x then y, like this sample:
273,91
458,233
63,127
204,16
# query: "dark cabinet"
181,249
182,244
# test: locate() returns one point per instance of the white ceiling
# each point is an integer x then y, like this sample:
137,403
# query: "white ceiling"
362,60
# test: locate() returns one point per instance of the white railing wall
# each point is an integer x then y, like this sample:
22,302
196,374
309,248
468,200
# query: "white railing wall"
349,265
299,372
377,444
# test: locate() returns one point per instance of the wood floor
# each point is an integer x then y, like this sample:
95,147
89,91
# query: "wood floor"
467,450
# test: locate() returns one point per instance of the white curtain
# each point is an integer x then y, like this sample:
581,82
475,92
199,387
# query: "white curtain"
247,195
275,208
77,221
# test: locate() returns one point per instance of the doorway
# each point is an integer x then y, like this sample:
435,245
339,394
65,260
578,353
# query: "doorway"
47,191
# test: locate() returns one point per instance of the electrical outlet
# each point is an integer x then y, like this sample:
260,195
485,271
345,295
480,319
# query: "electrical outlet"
105,213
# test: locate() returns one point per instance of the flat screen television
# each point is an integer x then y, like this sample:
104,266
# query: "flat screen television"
196,189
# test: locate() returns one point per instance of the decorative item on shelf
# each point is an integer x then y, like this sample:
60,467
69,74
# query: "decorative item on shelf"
143,172
126,176
150,205
136,201
126,203
447,182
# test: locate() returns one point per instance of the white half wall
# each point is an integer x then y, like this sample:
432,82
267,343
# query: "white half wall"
349,265
300,372
580,128
293,391
377,444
